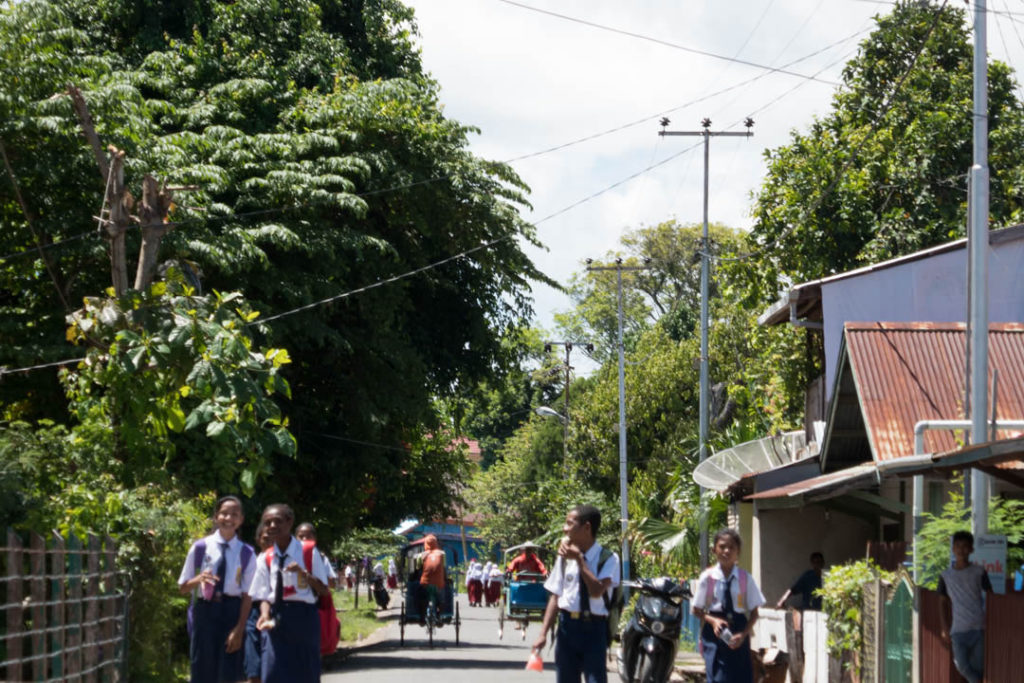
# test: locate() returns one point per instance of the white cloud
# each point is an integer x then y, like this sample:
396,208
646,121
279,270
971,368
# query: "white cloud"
531,81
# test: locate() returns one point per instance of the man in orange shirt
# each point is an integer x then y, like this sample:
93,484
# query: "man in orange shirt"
527,561
432,577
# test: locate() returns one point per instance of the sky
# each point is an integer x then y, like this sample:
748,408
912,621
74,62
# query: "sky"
531,81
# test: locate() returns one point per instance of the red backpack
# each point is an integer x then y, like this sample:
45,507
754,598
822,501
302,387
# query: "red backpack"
330,627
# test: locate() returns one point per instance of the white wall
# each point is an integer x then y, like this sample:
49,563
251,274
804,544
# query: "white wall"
932,289
784,540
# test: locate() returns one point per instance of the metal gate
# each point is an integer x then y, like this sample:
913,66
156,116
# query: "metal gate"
899,635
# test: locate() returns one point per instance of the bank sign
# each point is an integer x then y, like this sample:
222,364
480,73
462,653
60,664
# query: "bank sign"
990,553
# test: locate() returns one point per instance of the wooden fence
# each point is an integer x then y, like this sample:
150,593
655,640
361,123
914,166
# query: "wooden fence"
64,610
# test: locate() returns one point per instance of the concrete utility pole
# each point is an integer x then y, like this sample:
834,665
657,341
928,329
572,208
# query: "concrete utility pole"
623,483
977,240
568,346
705,266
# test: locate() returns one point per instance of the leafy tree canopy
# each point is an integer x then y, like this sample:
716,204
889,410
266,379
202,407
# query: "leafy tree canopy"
884,173
315,160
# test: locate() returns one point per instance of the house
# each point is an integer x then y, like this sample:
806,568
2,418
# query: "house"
894,345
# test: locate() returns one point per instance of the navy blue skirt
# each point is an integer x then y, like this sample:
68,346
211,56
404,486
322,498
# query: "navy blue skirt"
722,663
291,650
211,624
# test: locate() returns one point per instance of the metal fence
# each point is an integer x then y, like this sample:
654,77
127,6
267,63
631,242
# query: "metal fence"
64,610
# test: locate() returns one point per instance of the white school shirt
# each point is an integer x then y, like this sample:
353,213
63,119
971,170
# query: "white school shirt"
564,580
235,579
264,582
744,604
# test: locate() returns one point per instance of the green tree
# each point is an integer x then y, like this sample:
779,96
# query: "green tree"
668,289
317,160
883,174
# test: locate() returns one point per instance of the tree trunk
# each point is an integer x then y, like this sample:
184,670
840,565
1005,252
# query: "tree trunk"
155,203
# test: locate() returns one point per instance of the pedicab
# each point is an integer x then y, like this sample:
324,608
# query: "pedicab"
523,597
418,609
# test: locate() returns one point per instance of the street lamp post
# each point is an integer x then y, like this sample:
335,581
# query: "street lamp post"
623,484
568,346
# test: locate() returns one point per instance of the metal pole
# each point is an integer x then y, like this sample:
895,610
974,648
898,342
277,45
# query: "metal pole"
623,491
623,474
565,424
703,422
705,267
978,286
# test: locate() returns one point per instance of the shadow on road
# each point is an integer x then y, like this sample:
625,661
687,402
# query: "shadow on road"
379,663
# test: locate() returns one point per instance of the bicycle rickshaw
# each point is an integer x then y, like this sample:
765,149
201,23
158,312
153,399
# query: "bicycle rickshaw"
523,598
417,609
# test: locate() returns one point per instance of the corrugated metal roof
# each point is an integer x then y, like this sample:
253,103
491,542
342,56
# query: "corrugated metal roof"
907,372
819,485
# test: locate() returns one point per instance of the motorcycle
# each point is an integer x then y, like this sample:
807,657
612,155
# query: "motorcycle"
651,639
380,593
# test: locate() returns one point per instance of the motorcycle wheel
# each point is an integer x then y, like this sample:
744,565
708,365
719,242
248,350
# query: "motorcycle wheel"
645,669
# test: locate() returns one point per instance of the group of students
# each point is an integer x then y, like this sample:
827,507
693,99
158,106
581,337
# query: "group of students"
483,583
254,616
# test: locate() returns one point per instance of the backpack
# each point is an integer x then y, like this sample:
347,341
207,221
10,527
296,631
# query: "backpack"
739,599
197,561
614,603
330,627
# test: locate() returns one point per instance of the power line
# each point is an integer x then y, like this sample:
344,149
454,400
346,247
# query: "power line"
886,107
409,185
666,43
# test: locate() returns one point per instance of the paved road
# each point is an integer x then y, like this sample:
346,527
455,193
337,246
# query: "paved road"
479,657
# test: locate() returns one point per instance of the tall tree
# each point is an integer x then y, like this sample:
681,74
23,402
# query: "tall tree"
884,173
315,160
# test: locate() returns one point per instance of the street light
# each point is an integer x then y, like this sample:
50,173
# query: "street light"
545,411
564,417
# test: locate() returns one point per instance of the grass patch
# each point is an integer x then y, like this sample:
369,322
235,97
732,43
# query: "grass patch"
355,623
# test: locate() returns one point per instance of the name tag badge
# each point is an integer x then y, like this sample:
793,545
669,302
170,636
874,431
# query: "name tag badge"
238,576
303,581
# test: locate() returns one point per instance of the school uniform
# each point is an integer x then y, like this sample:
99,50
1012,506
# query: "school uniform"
581,641
291,650
727,600
216,609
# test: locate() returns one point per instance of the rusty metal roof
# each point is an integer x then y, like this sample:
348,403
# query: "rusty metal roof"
907,372
825,486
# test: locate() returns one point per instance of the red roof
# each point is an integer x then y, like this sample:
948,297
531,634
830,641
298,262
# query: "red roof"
907,372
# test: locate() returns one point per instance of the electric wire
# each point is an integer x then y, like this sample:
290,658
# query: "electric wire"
416,271
409,185
666,43
852,157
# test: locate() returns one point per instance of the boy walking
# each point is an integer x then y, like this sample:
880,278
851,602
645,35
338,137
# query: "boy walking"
580,583
963,587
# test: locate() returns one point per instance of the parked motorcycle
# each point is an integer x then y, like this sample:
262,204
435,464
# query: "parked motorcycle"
651,639
380,593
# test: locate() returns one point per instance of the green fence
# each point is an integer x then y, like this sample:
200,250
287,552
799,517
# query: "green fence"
899,635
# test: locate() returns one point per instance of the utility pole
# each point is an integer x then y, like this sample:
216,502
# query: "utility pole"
568,346
623,484
977,241
705,265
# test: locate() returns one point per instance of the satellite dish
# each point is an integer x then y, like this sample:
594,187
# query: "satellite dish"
725,467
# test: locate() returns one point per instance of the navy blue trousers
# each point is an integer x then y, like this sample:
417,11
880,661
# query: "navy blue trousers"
722,663
291,650
253,658
580,650
212,622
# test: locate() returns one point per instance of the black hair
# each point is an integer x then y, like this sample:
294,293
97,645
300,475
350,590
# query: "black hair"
224,499
588,514
285,509
728,533
310,525
964,536
817,553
